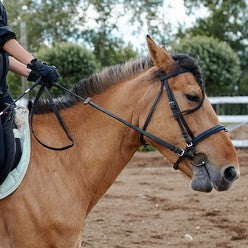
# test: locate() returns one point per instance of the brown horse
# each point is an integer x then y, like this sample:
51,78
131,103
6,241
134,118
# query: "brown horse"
61,187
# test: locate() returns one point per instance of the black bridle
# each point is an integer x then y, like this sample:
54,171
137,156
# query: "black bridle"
191,140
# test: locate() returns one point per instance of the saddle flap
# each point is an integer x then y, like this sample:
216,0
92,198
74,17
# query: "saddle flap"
18,169
10,147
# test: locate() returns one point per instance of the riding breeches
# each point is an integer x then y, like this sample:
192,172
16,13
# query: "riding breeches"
5,97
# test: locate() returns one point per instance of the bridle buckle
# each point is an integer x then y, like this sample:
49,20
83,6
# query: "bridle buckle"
182,153
190,144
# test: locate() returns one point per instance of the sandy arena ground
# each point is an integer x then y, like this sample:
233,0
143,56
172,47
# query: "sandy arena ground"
151,205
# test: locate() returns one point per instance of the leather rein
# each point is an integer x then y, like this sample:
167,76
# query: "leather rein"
190,139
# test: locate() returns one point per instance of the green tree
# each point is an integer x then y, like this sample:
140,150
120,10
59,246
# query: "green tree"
120,53
52,21
61,20
14,83
102,37
150,13
109,50
74,62
243,85
227,21
47,20
220,64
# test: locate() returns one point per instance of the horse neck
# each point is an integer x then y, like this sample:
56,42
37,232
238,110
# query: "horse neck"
103,146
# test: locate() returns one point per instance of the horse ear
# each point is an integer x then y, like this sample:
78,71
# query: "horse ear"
160,55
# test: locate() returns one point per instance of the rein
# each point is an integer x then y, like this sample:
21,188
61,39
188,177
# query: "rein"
190,139
42,89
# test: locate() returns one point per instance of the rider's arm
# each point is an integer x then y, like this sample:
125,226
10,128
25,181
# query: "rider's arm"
18,67
9,44
13,47
47,72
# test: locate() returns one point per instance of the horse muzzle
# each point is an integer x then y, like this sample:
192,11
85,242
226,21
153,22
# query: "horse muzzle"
206,176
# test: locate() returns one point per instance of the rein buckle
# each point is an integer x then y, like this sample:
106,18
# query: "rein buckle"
87,101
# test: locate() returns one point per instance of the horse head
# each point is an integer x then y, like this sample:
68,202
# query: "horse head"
184,117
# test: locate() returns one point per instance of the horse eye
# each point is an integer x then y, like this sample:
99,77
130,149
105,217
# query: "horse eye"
193,98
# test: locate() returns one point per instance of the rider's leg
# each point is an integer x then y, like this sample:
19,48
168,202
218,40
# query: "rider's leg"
2,148
5,98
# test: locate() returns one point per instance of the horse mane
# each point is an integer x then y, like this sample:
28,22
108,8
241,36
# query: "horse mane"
99,82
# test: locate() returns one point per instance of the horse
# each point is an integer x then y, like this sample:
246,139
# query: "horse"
61,187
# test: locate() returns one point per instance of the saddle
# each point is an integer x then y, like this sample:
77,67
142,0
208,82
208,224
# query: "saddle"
12,145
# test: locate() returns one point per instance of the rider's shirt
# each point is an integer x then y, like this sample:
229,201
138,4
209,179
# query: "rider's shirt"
5,35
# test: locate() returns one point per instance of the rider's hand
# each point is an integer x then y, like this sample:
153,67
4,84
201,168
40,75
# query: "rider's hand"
49,74
32,77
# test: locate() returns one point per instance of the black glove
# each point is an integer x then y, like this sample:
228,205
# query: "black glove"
49,74
32,77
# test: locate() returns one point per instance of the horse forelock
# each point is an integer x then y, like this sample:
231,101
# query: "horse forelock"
187,62
99,82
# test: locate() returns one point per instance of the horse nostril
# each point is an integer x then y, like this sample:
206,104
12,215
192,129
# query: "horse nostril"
230,174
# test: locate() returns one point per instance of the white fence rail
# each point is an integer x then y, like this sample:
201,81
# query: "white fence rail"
240,143
229,99
233,118
232,100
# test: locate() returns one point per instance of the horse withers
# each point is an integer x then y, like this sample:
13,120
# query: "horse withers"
61,187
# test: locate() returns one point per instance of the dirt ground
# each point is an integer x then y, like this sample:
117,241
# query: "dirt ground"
151,205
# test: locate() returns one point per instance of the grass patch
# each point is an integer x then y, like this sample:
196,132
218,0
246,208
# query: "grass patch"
146,149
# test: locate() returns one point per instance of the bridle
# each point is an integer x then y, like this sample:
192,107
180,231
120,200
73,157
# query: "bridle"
190,139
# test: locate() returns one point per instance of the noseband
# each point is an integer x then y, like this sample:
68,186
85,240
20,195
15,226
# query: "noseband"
190,139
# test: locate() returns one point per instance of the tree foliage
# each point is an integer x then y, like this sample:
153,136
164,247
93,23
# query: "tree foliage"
91,22
74,62
105,15
228,21
243,85
220,64
14,83
109,50
95,23
51,21
47,20
119,53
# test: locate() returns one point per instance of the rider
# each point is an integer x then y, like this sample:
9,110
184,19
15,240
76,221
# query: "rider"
15,58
